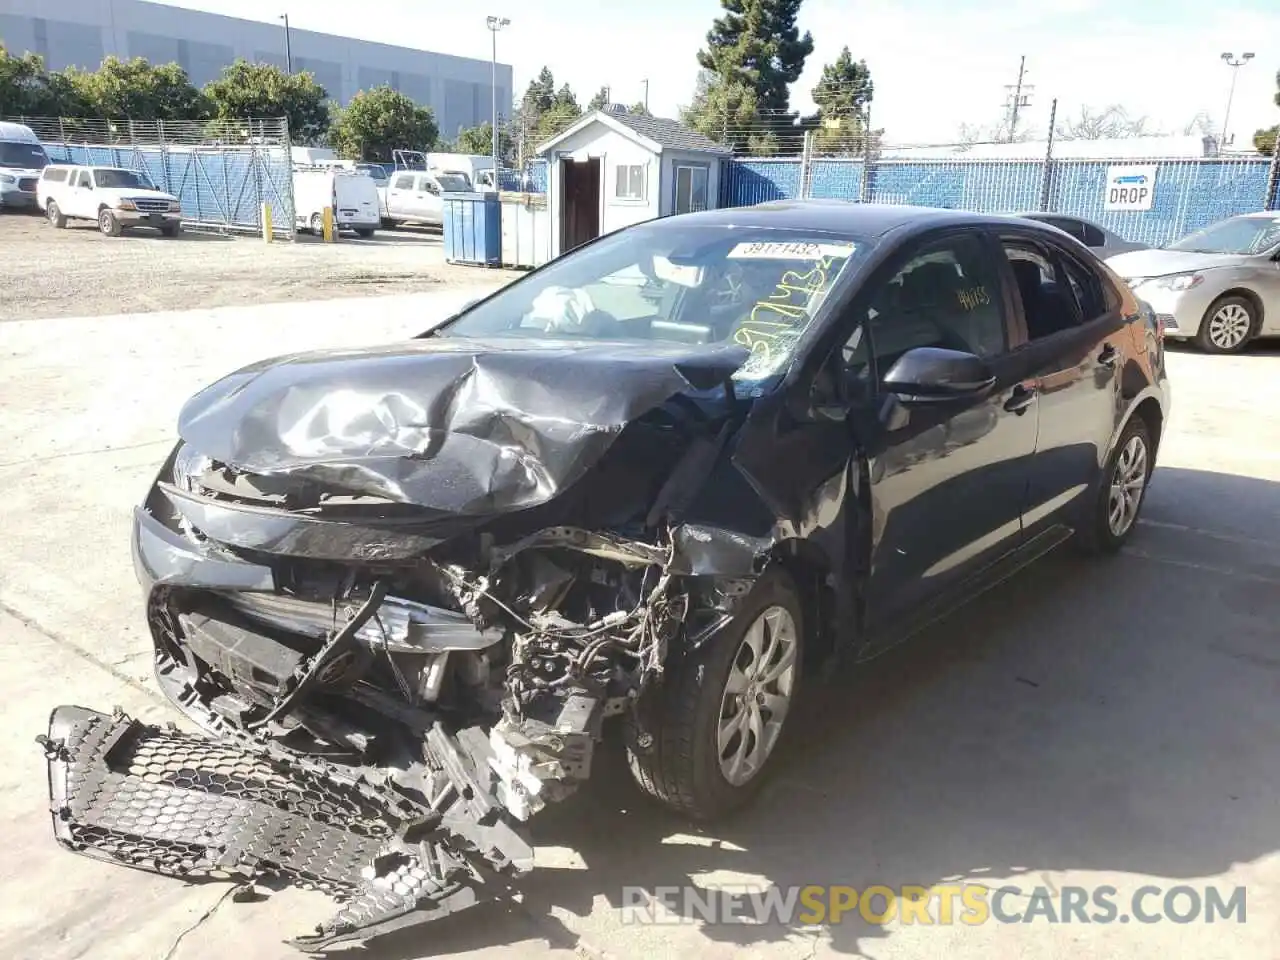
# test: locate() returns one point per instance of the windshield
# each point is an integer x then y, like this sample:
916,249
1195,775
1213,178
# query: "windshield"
1239,235
669,281
19,155
374,170
454,182
121,178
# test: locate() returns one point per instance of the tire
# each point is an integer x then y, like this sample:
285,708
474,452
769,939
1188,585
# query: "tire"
55,216
171,229
108,225
317,224
1228,325
1098,535
364,233
674,751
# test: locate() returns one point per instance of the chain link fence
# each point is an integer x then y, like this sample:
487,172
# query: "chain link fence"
1187,193
222,171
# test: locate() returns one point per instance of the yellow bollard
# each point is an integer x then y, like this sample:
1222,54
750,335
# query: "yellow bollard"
268,231
329,233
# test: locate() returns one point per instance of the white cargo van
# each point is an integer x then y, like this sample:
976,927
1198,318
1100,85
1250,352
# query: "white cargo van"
352,195
21,160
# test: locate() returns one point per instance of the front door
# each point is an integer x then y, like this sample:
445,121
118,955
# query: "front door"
400,196
948,478
691,188
580,215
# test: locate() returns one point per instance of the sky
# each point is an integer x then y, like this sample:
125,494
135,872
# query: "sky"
936,63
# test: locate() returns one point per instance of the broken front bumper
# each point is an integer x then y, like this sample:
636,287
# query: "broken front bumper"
185,806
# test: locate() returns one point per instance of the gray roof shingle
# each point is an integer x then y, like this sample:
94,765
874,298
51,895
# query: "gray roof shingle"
669,134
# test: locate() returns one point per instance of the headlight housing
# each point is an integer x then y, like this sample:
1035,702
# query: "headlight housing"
175,206
188,467
1179,281
7,178
125,205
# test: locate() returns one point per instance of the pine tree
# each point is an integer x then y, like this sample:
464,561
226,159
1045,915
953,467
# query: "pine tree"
758,43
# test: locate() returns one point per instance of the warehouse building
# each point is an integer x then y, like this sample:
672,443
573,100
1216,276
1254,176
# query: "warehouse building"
80,33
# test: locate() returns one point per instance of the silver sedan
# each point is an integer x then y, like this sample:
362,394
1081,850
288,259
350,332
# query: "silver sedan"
1103,242
1218,287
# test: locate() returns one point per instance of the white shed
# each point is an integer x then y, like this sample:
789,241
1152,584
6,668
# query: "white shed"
614,168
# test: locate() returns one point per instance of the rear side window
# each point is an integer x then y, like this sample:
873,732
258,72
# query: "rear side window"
1048,303
56,174
404,182
1087,288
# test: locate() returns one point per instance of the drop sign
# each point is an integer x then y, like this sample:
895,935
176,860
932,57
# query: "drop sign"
1130,188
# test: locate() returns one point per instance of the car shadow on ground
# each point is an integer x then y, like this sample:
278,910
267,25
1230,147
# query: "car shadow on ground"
1262,347
1090,715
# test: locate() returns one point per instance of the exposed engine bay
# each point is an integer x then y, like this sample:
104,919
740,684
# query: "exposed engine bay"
402,619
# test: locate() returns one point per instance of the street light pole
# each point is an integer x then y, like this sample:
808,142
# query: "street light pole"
1235,64
288,47
495,24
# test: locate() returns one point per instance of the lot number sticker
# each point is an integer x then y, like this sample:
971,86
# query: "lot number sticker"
1130,187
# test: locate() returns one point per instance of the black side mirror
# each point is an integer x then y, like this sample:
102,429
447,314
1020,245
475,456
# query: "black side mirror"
933,374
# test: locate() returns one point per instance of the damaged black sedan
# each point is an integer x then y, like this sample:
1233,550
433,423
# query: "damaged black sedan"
403,588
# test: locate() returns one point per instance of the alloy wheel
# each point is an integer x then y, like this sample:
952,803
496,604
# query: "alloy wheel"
757,695
1229,326
1128,481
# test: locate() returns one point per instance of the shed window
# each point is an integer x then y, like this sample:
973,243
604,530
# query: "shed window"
630,182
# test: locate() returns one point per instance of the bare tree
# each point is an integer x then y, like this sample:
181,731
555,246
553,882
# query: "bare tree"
1109,123
1201,125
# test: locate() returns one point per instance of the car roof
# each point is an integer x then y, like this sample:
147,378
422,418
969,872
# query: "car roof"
839,216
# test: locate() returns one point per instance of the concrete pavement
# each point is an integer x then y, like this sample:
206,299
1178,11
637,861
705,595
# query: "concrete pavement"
1110,723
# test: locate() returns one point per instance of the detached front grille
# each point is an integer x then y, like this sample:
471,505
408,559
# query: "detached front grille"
147,205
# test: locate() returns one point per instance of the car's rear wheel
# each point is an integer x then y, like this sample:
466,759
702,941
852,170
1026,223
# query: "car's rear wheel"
108,225
55,215
1227,326
707,734
1120,493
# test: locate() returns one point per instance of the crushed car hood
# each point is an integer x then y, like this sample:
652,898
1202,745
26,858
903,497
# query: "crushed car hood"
466,427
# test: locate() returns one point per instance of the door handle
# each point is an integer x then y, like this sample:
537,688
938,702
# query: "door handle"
1019,400
1108,356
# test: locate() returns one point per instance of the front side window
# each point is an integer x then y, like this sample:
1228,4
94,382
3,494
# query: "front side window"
126,179
629,182
1239,235
757,287
947,295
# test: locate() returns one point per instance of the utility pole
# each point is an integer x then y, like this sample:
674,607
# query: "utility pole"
645,81
1018,96
495,24
1235,64
288,46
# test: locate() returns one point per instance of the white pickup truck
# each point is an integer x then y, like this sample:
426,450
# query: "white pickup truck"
415,196
113,197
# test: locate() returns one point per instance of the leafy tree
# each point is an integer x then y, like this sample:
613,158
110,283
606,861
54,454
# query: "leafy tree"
378,121
725,111
640,109
565,100
600,100
758,43
28,90
137,90
263,90
843,96
556,120
479,140
541,93
1264,140
1109,123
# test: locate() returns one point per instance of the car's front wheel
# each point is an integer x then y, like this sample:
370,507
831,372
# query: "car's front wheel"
1120,493
707,734
1227,326
108,224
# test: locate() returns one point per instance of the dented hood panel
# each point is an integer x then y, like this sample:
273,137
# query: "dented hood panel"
467,427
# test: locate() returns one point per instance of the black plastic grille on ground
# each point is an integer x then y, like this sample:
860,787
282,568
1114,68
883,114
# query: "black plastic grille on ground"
190,807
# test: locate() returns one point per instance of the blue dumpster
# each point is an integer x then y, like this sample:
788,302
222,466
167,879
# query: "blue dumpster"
472,228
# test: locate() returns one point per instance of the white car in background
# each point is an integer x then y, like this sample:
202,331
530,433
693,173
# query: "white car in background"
1218,287
112,197
416,196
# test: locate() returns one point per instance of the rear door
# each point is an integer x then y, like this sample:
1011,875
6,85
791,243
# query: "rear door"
400,195
1074,355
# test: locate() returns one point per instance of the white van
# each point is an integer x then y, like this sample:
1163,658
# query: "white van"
353,197
21,160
